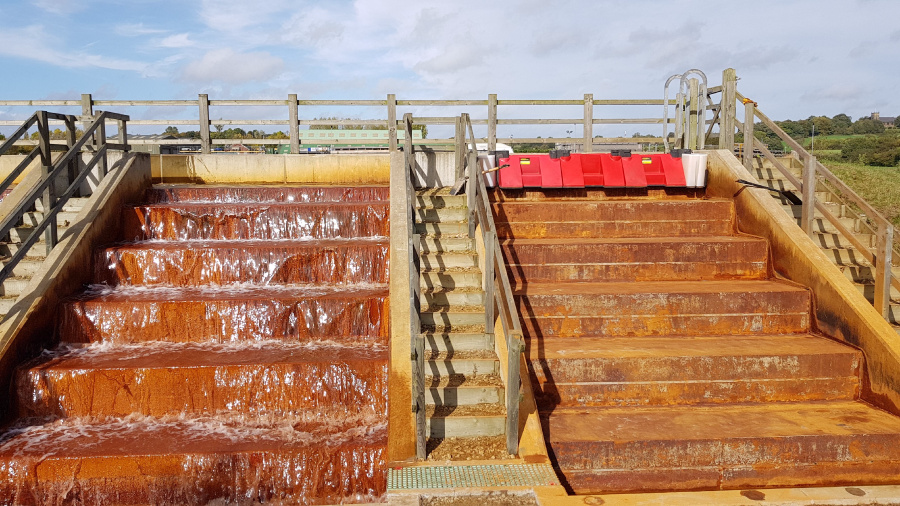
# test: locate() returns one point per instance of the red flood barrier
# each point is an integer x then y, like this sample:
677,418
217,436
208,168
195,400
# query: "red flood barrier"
619,169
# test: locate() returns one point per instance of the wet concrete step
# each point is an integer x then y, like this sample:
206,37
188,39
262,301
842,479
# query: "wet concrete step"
145,460
265,194
725,447
452,278
463,390
433,244
227,314
437,342
662,308
465,421
267,221
632,259
193,263
614,218
468,363
195,379
651,371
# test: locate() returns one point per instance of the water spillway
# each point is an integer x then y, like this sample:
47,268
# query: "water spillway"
233,349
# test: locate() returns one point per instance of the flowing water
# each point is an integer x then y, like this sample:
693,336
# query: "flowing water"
233,351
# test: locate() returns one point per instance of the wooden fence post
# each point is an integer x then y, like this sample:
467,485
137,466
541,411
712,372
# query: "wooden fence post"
392,120
205,143
294,127
728,110
808,211
588,145
492,122
883,274
749,117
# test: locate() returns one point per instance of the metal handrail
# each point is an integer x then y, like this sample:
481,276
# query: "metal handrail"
51,171
417,340
813,171
497,288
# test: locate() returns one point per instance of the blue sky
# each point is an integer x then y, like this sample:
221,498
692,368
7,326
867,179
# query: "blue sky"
796,58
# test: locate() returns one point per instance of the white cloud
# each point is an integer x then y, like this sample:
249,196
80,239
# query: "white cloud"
136,30
59,6
177,41
33,43
232,67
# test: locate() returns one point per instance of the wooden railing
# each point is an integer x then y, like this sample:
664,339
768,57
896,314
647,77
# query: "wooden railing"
94,140
812,176
497,289
389,107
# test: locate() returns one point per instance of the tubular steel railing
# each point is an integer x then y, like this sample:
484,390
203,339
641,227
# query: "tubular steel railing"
497,289
812,176
417,340
68,164
389,112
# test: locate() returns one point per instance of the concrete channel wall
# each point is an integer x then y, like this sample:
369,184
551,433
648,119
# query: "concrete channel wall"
840,310
30,325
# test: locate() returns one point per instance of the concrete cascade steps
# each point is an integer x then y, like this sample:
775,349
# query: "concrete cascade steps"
837,248
464,392
665,357
240,355
14,286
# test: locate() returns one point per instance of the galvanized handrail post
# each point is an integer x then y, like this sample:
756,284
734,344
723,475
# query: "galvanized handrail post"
205,142
692,132
588,143
749,117
294,125
48,200
102,165
392,121
727,109
883,273
808,209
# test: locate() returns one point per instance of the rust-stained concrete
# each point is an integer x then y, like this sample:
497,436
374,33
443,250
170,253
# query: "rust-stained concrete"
665,356
261,168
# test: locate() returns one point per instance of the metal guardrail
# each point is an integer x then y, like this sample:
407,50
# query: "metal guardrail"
496,284
812,174
390,118
68,164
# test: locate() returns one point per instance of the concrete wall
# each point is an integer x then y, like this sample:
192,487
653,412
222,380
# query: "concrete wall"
30,325
840,311
262,168
435,168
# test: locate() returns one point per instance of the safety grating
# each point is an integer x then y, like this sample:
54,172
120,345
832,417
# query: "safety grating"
515,475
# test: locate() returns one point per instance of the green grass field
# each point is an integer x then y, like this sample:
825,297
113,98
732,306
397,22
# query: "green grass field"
879,186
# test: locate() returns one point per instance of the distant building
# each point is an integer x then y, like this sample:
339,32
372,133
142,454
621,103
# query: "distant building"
602,147
152,144
887,121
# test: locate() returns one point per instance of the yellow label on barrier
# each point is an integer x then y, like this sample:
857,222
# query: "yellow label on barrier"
646,160
525,161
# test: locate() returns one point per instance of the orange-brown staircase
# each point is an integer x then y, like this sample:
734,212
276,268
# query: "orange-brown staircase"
666,356
233,351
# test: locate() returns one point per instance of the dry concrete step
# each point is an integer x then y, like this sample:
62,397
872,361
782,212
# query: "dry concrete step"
27,267
450,316
440,201
659,371
605,450
63,219
613,218
443,342
451,297
438,244
447,228
468,363
462,390
833,239
441,214
15,286
867,289
851,223
449,279
73,205
632,259
6,304
686,308
466,421
782,183
449,260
